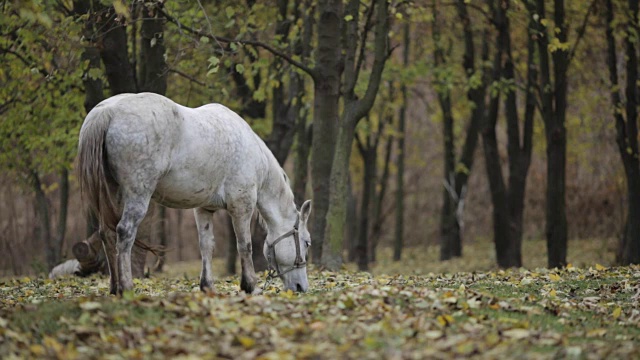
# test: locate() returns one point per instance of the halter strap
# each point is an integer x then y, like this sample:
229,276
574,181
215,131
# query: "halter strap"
274,269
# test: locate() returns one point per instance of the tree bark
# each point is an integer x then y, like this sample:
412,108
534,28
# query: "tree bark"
61,230
325,116
42,211
112,42
153,68
402,118
451,221
493,166
553,100
303,131
376,232
369,159
627,131
355,110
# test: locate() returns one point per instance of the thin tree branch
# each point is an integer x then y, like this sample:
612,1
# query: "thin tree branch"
581,31
189,77
260,44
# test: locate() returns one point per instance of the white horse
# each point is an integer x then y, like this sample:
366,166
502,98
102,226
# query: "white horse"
135,147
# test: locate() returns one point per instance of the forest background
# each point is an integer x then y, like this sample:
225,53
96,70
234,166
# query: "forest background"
426,124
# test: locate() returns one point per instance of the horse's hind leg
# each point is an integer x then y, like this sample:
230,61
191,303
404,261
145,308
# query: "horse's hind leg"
135,209
205,237
109,247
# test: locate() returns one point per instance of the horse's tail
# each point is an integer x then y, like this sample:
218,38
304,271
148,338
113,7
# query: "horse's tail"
98,186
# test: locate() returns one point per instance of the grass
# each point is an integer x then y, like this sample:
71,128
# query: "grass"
420,308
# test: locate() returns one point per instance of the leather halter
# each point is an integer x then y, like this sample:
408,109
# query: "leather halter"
274,268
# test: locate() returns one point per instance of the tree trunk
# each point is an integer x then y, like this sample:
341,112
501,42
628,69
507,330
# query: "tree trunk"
325,116
352,222
449,226
58,241
355,110
553,100
44,228
519,153
303,147
153,69
451,222
627,131
112,42
376,232
494,173
369,156
631,240
303,131
507,204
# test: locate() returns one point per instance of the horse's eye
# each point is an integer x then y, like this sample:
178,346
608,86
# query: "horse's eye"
307,242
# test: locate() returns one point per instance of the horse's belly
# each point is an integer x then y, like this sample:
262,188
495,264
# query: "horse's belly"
181,194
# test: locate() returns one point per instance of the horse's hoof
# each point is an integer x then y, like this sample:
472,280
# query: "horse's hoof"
206,287
247,285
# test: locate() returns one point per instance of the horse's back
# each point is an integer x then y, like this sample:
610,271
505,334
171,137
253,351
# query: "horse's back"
188,157
217,154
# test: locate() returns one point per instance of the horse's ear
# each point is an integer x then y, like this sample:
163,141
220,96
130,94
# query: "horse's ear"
305,210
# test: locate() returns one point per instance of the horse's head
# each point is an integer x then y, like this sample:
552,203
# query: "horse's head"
287,254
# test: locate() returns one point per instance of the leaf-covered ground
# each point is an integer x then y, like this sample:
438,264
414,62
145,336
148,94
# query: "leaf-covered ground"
577,312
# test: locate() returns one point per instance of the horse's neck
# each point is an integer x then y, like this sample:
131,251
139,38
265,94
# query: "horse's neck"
276,206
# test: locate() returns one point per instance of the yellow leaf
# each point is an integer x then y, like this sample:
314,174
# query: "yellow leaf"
52,344
600,267
37,350
246,341
287,294
444,320
121,8
552,293
554,277
596,333
617,312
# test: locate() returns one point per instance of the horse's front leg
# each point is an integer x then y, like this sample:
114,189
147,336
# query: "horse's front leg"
205,236
134,211
242,227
